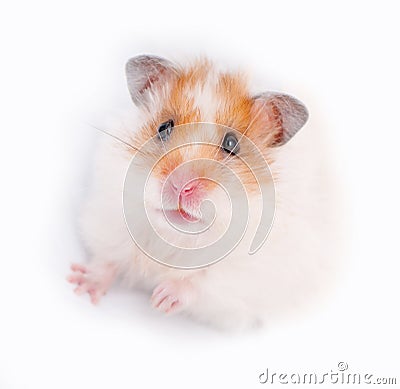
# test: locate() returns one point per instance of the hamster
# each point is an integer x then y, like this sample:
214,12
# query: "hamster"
211,112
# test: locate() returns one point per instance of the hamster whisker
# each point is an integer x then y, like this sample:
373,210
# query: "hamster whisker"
116,138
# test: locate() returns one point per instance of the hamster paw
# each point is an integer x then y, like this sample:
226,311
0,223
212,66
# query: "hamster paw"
172,296
94,280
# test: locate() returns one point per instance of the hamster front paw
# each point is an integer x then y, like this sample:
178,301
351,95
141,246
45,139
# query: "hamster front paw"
172,296
94,280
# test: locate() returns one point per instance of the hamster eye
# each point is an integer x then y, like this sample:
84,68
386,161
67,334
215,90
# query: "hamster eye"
230,144
165,129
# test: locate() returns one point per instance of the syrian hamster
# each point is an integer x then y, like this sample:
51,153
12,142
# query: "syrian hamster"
190,134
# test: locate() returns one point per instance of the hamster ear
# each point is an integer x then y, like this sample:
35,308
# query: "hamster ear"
285,115
144,73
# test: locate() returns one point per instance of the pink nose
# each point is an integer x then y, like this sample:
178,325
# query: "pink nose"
185,191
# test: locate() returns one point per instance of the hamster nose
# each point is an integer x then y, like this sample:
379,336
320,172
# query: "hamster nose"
185,190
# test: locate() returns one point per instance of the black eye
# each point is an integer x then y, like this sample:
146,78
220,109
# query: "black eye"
230,143
165,129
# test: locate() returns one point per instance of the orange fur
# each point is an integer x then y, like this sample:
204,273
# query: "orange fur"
236,110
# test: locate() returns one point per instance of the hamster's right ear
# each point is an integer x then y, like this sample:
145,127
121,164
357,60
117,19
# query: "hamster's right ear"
144,73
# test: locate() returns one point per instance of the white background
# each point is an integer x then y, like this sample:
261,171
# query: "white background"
62,66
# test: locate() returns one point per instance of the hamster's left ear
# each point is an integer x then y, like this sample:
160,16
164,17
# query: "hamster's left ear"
146,73
285,115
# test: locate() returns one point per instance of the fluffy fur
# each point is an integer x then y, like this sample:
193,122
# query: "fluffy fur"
240,290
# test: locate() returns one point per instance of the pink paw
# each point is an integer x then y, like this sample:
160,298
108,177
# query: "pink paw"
172,296
94,280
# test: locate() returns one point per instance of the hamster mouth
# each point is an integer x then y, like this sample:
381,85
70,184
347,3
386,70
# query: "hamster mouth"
187,216
181,215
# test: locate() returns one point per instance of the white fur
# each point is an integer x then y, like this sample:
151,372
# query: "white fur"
205,98
240,290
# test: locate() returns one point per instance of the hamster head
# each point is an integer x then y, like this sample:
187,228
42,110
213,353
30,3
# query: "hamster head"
204,131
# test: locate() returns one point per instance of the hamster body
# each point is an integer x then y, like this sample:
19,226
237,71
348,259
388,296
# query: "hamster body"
240,290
